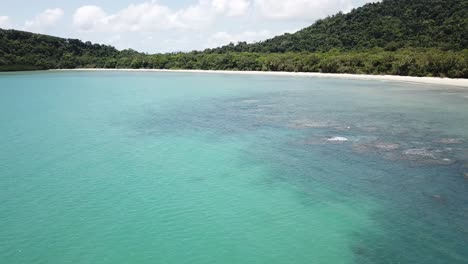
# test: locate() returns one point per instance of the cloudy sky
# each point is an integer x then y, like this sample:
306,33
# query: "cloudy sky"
167,25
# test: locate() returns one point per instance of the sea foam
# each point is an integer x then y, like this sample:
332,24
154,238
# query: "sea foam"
337,139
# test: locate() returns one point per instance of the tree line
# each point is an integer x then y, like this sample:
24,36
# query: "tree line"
408,62
398,37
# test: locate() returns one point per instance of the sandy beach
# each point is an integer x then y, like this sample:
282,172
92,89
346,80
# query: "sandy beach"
410,79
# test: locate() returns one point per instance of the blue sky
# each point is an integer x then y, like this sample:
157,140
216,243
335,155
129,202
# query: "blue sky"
164,25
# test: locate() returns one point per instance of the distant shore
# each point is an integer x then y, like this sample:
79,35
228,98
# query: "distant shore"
410,79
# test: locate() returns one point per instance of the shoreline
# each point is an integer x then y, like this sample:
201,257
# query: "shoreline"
409,79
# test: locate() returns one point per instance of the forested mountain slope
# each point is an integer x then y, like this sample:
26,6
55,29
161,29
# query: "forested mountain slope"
390,24
399,37
21,50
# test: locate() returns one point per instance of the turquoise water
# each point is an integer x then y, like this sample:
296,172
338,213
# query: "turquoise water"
114,167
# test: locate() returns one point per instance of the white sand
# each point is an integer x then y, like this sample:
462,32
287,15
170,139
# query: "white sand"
426,80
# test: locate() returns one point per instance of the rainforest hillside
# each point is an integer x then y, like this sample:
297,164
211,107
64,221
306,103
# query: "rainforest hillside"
21,50
389,24
399,37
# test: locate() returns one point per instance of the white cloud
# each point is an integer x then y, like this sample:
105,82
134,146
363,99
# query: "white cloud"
194,16
44,20
5,22
152,15
301,9
231,7
88,17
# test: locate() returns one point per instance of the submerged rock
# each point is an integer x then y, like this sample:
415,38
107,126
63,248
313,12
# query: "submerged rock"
250,101
361,148
305,123
446,161
341,128
321,140
375,146
424,156
449,141
392,156
359,250
465,175
266,106
435,197
368,128
439,198
386,146
419,152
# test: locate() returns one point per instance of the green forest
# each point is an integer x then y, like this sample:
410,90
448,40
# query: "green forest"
398,37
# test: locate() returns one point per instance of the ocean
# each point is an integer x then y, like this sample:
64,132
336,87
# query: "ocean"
145,167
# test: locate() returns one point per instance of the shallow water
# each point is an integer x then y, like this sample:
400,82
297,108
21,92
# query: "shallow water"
123,167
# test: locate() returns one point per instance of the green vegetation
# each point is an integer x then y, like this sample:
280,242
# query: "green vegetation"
413,62
27,51
400,37
390,24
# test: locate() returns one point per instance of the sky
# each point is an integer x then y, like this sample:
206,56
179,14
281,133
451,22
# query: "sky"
167,25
